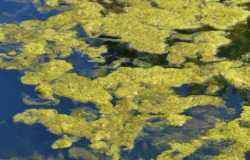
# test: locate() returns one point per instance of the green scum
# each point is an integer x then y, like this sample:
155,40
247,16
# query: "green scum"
200,26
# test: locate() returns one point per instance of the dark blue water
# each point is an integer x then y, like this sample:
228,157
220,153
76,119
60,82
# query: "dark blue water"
19,139
13,12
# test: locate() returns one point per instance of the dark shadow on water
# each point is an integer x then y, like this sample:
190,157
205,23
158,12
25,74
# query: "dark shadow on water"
136,59
203,28
240,36
234,97
201,88
116,51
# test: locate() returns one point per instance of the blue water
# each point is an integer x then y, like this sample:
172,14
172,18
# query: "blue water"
18,139
13,12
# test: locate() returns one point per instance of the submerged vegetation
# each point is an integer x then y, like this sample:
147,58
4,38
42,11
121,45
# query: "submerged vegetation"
190,34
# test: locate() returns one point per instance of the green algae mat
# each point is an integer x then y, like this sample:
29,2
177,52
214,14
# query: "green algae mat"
163,45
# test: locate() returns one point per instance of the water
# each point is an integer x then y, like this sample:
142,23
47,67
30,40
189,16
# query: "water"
13,12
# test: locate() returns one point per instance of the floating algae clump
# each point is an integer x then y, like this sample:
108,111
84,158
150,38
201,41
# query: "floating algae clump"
128,98
147,91
204,44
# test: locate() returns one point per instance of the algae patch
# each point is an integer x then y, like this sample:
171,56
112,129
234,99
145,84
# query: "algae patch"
143,93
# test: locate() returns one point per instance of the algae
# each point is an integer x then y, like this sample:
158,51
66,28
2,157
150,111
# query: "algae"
143,93
118,126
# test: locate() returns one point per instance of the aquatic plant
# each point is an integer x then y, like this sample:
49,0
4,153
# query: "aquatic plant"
197,27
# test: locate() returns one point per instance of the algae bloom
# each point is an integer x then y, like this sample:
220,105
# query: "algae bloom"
132,98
